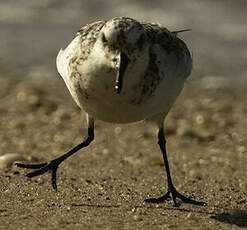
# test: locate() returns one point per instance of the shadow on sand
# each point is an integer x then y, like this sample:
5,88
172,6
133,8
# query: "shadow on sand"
235,217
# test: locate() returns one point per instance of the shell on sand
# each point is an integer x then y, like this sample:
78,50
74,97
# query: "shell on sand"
8,159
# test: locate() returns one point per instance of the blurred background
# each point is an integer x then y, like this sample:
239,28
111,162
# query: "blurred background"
32,32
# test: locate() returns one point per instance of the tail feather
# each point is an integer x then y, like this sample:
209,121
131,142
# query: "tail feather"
180,31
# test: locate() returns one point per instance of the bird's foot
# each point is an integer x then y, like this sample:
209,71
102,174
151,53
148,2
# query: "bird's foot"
43,168
173,194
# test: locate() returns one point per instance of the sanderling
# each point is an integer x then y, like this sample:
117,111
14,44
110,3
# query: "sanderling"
123,71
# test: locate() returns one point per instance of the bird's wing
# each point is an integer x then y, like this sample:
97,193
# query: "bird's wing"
80,47
172,45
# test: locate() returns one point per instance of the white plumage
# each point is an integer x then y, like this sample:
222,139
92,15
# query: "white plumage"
152,81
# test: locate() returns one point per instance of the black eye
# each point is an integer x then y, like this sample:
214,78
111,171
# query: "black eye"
104,38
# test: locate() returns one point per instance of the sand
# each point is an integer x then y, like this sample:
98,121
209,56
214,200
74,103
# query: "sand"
104,185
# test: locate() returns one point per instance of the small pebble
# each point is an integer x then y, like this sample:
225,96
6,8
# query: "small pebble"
201,161
118,130
241,149
137,218
9,158
243,185
200,120
105,151
189,216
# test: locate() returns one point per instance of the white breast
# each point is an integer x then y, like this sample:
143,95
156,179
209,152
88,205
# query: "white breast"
93,88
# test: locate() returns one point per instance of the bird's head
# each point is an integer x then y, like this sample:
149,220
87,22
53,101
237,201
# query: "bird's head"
125,37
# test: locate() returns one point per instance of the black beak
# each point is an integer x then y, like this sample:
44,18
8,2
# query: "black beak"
123,63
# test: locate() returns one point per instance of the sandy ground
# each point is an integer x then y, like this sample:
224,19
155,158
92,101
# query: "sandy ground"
104,185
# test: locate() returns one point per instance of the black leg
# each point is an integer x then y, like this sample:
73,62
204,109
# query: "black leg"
53,165
172,192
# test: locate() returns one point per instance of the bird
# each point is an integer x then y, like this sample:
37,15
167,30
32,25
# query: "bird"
123,71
